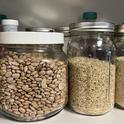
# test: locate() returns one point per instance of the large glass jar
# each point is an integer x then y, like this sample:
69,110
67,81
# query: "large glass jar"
33,78
119,43
67,37
91,68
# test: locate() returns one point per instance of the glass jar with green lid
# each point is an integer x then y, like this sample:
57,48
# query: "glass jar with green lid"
91,68
119,43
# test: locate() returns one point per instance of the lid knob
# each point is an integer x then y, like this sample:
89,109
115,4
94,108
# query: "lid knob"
89,15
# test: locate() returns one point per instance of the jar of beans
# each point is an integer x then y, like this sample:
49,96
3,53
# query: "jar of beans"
33,76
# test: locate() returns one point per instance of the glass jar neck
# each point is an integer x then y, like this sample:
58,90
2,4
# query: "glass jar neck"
56,47
92,34
34,47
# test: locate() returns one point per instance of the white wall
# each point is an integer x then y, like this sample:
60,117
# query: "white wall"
51,13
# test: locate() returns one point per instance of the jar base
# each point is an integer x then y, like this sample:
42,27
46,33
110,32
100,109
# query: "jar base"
86,114
119,106
10,116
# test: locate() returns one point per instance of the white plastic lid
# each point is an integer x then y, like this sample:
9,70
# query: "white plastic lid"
31,38
10,22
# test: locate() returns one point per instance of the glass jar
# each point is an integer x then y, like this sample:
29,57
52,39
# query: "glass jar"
33,80
67,38
91,68
119,43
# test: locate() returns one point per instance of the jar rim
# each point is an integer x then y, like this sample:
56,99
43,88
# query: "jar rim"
92,26
39,29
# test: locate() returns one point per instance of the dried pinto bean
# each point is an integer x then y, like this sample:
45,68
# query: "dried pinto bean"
33,85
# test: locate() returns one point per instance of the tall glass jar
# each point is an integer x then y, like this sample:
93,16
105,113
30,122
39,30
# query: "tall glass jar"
91,68
67,37
119,43
33,78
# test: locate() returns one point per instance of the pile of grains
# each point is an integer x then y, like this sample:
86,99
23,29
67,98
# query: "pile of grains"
119,99
32,88
91,85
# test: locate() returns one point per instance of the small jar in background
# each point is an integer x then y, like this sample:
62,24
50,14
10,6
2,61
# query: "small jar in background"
10,25
66,32
119,43
2,16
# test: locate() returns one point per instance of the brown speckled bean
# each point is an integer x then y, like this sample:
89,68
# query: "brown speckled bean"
31,86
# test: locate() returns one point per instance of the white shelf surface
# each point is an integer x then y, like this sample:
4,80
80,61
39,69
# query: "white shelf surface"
116,116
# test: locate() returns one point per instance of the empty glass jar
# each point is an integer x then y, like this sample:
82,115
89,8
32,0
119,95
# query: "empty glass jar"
91,68
33,78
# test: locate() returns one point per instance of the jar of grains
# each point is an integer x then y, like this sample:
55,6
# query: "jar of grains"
119,43
91,68
67,37
33,78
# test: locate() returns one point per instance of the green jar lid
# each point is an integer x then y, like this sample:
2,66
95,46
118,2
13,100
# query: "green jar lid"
89,15
2,16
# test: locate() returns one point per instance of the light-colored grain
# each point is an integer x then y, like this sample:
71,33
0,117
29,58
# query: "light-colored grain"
119,99
92,83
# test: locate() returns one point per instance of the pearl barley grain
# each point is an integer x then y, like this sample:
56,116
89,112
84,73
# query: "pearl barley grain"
119,97
91,91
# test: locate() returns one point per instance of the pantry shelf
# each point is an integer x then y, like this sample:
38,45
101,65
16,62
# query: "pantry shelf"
67,117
